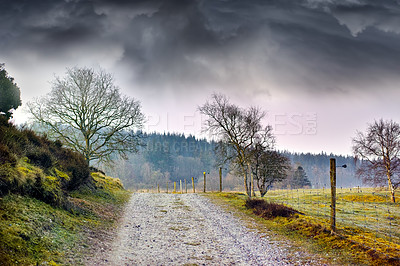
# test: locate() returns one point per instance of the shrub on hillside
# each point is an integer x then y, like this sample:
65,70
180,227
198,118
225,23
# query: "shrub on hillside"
33,138
96,170
48,189
40,157
3,120
42,152
269,210
9,179
6,156
75,165
8,136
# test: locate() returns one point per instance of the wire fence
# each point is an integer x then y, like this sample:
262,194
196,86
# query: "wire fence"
365,216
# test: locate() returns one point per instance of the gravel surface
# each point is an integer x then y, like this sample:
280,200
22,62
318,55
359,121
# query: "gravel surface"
179,229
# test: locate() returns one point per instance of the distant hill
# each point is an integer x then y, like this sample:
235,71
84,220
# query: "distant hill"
165,157
177,157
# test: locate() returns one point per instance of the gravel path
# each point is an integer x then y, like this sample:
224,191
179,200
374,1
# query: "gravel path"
179,229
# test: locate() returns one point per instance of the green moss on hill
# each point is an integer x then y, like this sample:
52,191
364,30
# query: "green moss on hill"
32,231
49,200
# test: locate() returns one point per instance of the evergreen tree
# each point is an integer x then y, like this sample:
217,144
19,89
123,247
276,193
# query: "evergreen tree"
300,179
10,95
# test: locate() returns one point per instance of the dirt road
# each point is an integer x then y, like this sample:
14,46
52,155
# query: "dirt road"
187,229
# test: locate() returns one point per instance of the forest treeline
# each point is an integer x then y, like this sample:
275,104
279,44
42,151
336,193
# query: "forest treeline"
317,169
173,157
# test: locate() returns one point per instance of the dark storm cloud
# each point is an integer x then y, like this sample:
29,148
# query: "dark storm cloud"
250,44
359,15
40,25
253,45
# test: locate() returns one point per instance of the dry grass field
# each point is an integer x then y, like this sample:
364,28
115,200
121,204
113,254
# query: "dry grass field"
363,215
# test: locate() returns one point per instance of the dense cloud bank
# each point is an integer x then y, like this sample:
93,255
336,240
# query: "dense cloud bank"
257,45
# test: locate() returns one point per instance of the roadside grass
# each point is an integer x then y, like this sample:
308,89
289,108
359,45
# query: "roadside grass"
108,190
313,233
34,232
367,210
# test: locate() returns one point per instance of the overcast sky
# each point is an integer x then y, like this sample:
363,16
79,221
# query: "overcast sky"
321,68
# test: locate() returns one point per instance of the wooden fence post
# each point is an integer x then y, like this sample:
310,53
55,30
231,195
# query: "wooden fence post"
204,189
167,186
333,194
220,179
174,187
194,190
180,186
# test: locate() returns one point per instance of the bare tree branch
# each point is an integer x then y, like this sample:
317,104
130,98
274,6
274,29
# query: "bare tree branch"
268,167
87,112
379,149
238,128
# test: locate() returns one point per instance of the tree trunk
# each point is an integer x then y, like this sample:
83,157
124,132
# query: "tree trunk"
261,188
391,187
392,191
246,186
87,158
87,149
265,189
263,192
252,186
252,183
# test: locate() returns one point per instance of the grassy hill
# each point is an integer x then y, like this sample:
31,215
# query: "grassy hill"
51,205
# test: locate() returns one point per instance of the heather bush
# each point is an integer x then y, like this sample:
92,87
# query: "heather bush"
6,156
47,155
269,210
41,157
3,121
75,165
48,189
32,137
8,180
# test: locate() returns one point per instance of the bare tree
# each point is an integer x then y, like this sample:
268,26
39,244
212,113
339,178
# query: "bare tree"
238,128
379,150
86,111
268,167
